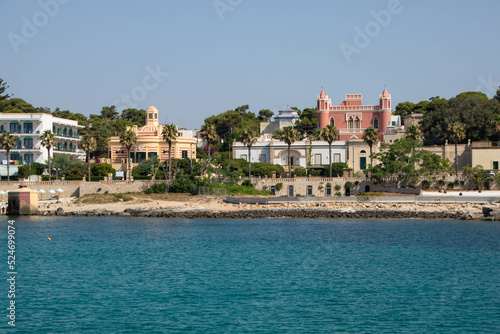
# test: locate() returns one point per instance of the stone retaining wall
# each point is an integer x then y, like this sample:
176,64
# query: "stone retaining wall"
80,188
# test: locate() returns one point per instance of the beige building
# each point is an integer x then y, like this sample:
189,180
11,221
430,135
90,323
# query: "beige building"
412,119
486,156
149,144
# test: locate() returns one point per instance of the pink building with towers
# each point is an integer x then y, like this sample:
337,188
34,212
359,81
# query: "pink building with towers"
351,117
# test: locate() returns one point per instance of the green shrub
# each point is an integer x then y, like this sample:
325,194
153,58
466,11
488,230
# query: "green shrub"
247,183
279,186
315,172
451,185
264,169
299,195
234,189
36,169
127,198
157,188
356,183
441,183
119,195
337,187
348,185
101,169
425,184
300,171
337,169
338,194
182,185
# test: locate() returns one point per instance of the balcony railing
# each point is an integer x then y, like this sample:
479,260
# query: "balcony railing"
22,132
351,130
76,150
67,135
23,147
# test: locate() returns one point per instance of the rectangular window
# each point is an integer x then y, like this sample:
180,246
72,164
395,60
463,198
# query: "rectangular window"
317,159
28,158
152,155
15,156
141,156
273,190
243,156
309,191
336,157
328,190
150,115
28,143
184,154
290,191
362,163
28,127
495,164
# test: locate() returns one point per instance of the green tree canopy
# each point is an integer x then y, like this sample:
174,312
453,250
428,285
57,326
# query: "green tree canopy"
265,115
16,105
307,123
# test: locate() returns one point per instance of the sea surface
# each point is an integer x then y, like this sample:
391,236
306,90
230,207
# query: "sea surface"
147,275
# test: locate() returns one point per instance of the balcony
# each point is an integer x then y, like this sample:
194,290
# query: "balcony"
23,147
351,131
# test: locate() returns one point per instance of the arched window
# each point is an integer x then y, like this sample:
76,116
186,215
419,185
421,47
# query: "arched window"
357,124
350,123
332,121
375,122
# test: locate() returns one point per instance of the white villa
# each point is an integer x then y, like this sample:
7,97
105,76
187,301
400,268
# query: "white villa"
27,129
304,153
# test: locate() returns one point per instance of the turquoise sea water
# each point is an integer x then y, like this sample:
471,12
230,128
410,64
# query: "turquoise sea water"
133,275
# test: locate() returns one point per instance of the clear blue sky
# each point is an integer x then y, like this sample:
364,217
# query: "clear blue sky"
265,53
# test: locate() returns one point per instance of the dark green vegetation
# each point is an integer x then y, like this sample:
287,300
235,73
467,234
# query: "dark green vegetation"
479,114
402,163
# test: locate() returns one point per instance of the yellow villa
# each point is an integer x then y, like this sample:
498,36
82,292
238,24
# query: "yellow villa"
149,144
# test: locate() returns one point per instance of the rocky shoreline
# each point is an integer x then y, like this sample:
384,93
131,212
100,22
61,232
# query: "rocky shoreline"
366,211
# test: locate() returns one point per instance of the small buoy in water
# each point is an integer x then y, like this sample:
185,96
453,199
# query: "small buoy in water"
48,239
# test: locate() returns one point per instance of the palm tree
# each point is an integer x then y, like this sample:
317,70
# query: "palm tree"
456,133
370,136
128,138
48,140
169,134
88,144
208,134
248,138
7,141
413,132
330,134
289,135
